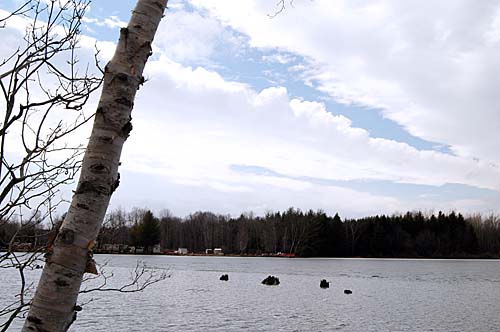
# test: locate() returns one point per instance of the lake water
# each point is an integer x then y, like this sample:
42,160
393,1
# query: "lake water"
388,295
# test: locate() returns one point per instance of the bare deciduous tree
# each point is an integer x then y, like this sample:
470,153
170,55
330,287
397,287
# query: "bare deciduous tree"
37,79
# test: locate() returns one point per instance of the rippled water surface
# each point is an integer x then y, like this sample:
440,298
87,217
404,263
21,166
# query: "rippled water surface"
388,295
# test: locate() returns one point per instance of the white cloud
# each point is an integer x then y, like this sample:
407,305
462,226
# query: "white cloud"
183,198
278,58
111,22
431,67
191,36
191,126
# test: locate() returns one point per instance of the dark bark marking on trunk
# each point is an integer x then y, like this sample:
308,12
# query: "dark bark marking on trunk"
142,80
34,319
99,168
106,139
100,112
124,34
122,77
116,183
61,282
147,45
82,206
87,186
159,5
126,129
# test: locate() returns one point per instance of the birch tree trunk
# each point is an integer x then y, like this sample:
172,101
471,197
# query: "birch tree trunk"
54,303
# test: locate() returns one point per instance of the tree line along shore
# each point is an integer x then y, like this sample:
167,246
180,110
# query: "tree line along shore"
292,233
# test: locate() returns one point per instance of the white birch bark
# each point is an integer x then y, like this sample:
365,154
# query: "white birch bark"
53,306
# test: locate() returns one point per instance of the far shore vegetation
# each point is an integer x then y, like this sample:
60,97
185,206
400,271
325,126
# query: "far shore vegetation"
292,233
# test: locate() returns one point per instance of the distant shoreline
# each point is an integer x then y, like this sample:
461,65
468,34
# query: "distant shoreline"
471,257
478,257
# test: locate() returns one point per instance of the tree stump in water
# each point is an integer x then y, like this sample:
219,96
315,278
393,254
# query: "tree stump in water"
271,281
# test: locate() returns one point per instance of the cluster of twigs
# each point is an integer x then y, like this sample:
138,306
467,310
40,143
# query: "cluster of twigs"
37,80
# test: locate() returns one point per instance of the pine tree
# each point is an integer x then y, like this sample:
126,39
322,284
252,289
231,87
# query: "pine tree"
150,231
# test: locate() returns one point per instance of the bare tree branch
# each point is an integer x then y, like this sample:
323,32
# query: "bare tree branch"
140,278
280,5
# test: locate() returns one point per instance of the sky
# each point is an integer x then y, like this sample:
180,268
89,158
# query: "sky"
355,107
